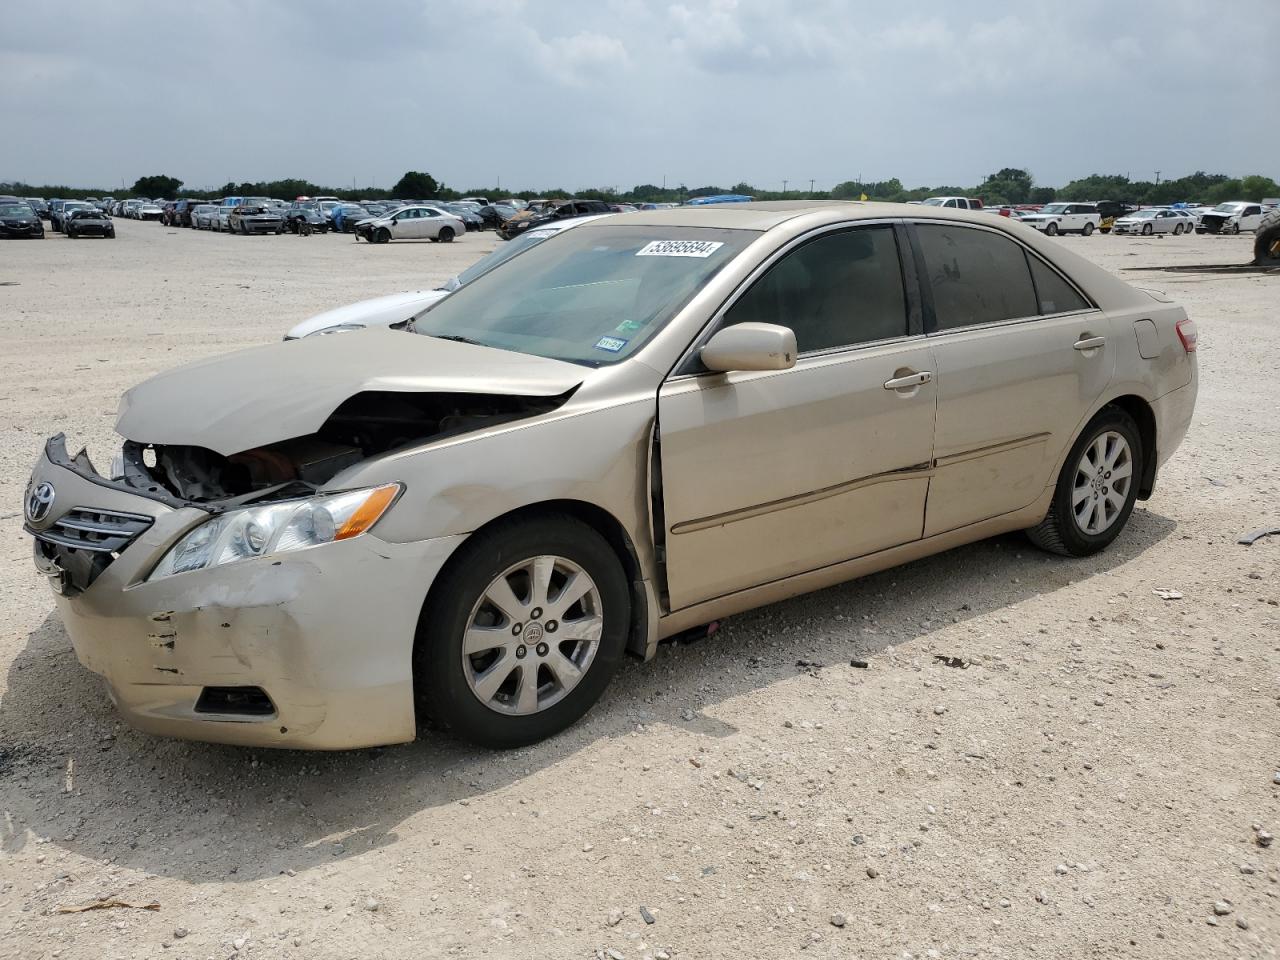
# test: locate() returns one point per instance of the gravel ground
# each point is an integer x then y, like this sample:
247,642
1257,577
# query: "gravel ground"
1040,758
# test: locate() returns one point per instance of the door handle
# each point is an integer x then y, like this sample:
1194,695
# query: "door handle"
1089,343
911,380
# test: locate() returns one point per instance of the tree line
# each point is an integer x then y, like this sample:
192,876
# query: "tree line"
1009,185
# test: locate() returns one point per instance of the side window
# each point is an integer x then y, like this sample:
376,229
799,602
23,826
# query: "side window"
976,276
1054,293
838,290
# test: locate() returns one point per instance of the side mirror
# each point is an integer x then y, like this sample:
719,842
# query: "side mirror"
750,346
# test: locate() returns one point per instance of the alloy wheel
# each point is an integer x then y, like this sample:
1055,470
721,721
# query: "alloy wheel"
532,635
1104,475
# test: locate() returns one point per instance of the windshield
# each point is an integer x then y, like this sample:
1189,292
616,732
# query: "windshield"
591,296
935,202
1054,208
1143,214
504,253
1227,207
15,210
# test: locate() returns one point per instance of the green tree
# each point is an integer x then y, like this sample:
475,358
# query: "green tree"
1255,187
1009,185
158,186
416,186
1041,195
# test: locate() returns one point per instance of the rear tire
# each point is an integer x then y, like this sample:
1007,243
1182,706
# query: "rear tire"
1177,229
1266,242
445,235
1089,477
449,683
1088,229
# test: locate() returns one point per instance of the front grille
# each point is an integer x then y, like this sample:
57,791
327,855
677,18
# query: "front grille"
97,531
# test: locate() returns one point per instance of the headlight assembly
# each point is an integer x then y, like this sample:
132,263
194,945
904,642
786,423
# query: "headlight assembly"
277,528
336,328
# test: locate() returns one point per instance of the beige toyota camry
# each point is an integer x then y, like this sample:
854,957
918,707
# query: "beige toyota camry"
635,427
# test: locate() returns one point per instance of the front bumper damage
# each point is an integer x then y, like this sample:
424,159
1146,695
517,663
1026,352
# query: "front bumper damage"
310,649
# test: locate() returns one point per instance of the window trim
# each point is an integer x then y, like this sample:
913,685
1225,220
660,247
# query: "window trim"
926,290
689,364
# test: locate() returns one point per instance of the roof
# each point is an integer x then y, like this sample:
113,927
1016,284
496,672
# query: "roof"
767,214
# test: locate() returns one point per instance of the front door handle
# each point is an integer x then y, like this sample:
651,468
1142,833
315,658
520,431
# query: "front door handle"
909,381
1089,343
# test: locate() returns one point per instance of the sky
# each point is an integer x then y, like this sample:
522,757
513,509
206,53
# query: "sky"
596,93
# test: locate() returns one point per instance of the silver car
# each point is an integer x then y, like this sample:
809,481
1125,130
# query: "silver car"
633,428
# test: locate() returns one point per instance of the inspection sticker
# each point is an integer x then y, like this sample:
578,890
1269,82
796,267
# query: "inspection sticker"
612,344
679,248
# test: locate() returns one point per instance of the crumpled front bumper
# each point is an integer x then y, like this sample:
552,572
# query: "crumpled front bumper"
327,632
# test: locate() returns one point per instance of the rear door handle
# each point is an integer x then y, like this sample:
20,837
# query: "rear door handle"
1089,343
912,380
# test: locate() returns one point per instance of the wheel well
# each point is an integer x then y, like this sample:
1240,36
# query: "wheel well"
605,524
1143,416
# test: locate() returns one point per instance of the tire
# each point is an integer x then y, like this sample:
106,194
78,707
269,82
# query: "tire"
1146,229
445,235
1231,229
381,235
1177,229
1062,531
1088,229
1051,230
494,714
1266,241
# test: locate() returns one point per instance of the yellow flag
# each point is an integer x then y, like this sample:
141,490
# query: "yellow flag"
863,197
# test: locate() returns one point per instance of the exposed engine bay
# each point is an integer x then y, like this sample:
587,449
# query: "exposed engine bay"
365,425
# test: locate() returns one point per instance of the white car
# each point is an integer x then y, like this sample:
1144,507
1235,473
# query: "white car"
1055,218
418,222
1153,220
953,203
398,307
148,211
1231,217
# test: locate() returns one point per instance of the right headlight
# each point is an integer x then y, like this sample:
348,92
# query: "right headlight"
336,328
277,528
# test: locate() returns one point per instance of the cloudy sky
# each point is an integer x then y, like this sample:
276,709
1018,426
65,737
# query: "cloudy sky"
581,93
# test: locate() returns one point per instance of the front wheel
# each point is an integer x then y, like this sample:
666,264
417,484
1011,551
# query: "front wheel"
1051,230
1146,229
522,631
381,235
1232,229
1088,229
1096,489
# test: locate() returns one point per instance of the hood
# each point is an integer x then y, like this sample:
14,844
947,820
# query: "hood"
266,394
377,312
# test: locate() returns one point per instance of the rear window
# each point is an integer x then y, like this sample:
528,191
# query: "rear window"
976,276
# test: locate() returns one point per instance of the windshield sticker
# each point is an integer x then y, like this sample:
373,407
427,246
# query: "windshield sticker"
612,344
680,248
629,326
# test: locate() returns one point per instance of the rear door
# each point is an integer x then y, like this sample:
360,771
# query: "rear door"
770,474
1021,356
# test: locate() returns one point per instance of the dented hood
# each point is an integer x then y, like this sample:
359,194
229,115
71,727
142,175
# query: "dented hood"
262,395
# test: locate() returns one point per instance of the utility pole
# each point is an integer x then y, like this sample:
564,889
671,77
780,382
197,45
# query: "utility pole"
784,186
1157,178
811,187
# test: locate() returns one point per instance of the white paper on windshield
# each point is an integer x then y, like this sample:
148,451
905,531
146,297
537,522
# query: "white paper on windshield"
680,248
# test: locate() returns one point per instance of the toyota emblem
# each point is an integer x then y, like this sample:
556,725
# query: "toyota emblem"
39,501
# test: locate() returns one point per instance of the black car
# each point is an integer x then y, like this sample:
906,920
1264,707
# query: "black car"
308,212
17,219
494,215
567,210
88,223
39,206
178,212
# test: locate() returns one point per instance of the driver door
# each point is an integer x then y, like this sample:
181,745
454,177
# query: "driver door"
769,474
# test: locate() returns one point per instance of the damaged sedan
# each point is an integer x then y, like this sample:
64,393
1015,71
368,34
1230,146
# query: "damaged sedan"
633,428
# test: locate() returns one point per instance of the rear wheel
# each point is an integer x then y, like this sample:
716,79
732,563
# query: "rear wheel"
1088,229
1177,229
1096,489
522,631
445,235
1266,242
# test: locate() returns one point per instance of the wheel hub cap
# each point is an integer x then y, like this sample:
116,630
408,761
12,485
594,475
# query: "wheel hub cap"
532,635
1104,475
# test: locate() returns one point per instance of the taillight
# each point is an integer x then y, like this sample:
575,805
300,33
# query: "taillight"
1187,334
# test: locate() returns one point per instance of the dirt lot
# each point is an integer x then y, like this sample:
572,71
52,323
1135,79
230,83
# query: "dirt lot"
1089,784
